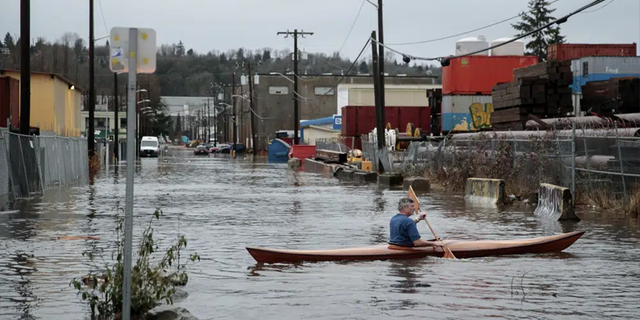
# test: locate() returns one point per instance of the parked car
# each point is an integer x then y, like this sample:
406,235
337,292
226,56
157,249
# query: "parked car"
201,149
219,147
240,147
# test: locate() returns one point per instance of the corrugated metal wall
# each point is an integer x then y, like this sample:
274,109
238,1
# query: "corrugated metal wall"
4,170
466,112
590,69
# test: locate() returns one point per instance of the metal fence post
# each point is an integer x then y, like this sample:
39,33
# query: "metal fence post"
624,184
573,162
26,176
586,154
515,150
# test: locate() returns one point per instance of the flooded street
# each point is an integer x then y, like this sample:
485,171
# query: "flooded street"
222,206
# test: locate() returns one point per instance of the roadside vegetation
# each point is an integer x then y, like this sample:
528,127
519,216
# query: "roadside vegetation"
154,277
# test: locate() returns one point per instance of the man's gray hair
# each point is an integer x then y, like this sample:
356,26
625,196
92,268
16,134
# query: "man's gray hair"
403,203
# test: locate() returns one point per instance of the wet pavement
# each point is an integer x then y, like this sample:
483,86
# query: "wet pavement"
222,206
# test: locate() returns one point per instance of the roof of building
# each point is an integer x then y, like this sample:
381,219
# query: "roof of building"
60,77
326,120
175,104
350,75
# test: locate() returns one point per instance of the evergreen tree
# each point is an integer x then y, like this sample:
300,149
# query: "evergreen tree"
364,67
539,15
266,55
180,49
8,41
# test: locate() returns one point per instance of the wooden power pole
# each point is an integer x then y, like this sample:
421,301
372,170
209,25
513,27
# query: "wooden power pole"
296,117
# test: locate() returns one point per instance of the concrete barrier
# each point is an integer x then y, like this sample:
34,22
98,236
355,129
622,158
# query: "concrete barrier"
315,166
390,179
419,184
555,202
362,176
294,163
485,190
345,175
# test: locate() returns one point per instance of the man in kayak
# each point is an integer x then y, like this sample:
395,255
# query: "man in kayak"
403,230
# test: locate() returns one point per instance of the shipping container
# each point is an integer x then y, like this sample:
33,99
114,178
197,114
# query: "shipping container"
352,142
462,113
571,51
9,101
359,120
478,75
590,69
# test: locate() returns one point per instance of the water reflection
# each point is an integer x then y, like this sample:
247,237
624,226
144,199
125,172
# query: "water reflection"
407,274
379,202
223,206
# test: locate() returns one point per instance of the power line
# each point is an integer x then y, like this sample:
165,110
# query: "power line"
594,10
408,57
352,26
103,20
343,76
462,33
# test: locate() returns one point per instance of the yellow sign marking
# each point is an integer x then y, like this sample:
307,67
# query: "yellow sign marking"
145,60
116,37
145,36
132,54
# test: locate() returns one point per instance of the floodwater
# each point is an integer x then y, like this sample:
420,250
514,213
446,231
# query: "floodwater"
223,205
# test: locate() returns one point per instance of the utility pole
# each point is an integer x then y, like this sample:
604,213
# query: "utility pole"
234,117
25,67
92,85
206,130
253,111
381,64
296,117
115,113
376,92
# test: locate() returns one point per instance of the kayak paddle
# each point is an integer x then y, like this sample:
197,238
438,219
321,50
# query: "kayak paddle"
447,252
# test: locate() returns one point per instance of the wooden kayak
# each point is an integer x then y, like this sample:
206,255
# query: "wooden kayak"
460,248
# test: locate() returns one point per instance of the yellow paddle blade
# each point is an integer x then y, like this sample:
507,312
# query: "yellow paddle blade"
413,197
448,254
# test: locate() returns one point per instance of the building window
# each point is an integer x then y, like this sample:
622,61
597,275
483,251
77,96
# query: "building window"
86,123
123,122
278,90
585,69
100,123
324,91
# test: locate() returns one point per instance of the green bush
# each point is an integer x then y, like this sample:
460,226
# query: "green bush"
152,281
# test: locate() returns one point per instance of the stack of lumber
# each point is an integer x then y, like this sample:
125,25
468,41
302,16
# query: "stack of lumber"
559,77
541,90
617,95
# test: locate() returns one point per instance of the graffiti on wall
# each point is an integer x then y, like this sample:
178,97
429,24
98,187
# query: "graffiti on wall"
480,115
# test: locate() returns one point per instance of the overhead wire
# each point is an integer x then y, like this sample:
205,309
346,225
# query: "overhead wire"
103,19
597,9
341,79
557,21
462,33
352,25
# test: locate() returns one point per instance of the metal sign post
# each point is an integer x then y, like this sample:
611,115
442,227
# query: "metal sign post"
132,50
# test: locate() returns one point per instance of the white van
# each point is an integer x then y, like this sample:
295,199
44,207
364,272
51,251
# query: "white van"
149,147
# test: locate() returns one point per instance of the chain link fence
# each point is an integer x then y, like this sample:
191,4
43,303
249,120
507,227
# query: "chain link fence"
599,165
34,164
333,144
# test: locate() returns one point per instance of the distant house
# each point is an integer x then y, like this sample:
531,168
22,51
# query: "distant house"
55,102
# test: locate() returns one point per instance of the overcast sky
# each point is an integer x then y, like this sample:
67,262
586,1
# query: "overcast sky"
205,25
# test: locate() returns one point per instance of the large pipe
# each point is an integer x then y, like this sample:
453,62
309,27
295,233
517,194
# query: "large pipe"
609,132
630,119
